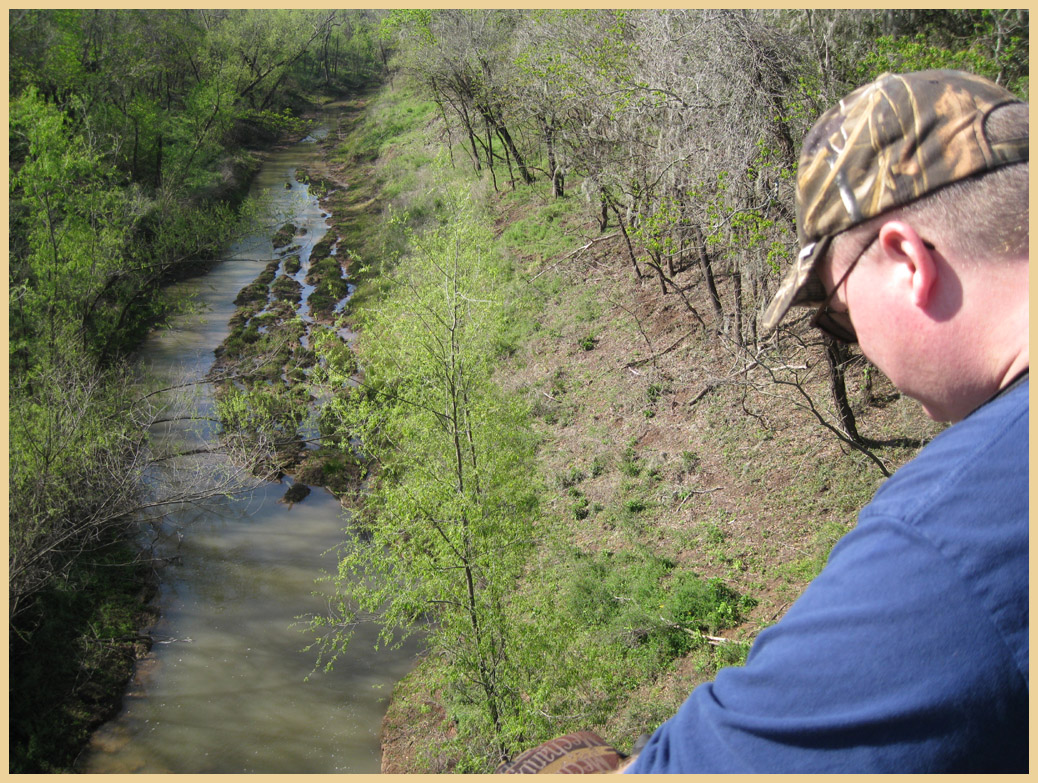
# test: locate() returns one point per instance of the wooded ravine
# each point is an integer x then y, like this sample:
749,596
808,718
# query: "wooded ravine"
589,480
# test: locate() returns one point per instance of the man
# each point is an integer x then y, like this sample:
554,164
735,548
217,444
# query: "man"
909,652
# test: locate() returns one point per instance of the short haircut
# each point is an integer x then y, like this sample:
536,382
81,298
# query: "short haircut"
981,218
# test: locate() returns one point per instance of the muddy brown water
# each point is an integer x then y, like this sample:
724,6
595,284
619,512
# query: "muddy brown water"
225,688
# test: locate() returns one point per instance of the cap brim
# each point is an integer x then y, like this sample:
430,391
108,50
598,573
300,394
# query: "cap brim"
800,286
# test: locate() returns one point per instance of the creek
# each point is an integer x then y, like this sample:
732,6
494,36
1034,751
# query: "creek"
224,688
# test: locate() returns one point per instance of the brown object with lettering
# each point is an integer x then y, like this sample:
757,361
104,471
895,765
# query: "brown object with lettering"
582,752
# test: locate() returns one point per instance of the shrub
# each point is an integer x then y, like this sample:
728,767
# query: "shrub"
572,476
629,462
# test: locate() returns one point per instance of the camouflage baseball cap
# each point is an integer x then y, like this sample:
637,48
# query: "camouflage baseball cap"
884,145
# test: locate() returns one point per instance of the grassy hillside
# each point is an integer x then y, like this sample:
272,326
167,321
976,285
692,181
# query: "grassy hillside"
678,475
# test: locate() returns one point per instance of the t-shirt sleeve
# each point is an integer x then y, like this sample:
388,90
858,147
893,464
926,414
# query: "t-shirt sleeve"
887,663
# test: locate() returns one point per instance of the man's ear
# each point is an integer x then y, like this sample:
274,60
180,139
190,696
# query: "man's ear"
914,266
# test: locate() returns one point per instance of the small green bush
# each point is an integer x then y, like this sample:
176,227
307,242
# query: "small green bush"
286,289
284,235
630,462
642,600
572,476
581,508
709,605
635,505
689,461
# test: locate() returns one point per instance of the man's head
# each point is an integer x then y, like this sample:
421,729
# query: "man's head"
918,164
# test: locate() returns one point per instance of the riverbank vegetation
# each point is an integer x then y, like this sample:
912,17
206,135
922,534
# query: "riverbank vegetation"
584,226
133,136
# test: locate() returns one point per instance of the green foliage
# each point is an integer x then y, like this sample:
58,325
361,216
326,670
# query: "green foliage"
581,507
571,477
75,221
268,411
395,119
276,123
330,287
414,22
709,605
918,53
630,462
605,624
73,440
451,509
990,42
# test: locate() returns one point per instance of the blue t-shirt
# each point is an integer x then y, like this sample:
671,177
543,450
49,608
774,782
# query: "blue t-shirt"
909,652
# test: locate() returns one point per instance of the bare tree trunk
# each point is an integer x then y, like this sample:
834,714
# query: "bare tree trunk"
446,124
754,293
490,155
472,141
737,289
708,274
502,132
836,356
558,185
506,137
627,239
654,262
335,61
324,58
508,162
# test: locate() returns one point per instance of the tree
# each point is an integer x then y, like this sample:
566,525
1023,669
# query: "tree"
75,222
461,57
558,55
85,472
449,519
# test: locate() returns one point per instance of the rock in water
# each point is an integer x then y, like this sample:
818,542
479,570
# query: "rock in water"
296,493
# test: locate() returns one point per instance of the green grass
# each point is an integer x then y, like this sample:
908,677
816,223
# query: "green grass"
632,613
397,117
542,233
805,569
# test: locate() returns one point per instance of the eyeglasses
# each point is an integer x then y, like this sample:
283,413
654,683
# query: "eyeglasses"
837,323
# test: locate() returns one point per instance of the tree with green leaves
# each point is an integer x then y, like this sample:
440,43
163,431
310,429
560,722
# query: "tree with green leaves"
449,518
73,223
462,57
